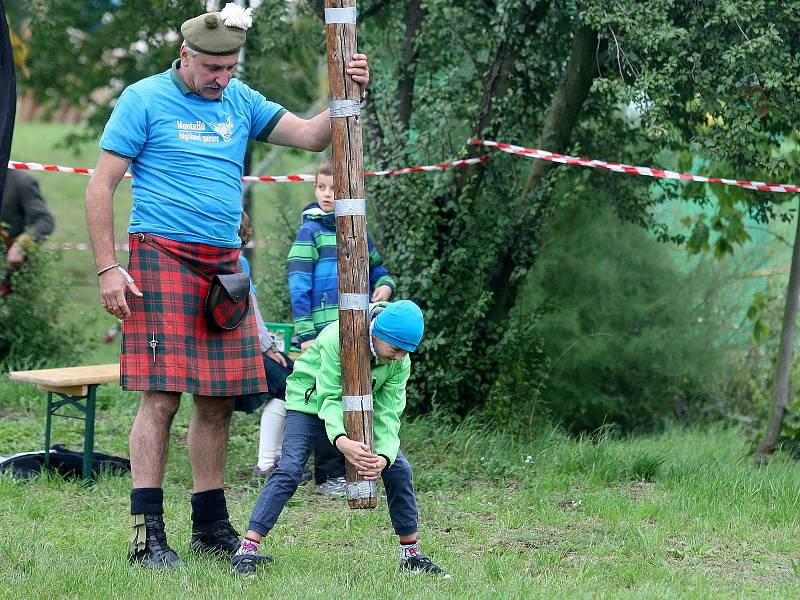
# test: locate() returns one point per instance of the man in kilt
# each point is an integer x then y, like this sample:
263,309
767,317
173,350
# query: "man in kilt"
183,134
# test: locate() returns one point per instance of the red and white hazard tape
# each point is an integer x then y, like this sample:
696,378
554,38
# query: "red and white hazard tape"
437,167
510,148
633,170
31,166
81,246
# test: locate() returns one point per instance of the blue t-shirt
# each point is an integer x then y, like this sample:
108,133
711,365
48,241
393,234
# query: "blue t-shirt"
187,155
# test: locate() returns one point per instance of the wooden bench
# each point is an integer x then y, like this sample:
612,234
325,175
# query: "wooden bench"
74,386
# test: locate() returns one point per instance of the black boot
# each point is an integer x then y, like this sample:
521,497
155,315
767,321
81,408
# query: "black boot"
149,543
217,537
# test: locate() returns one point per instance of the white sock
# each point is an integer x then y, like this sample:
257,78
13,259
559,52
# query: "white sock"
248,546
271,436
409,550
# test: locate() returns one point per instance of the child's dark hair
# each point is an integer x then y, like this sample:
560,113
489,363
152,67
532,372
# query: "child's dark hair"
325,168
246,230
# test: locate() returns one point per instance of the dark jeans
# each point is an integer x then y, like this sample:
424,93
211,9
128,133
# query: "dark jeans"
276,375
301,432
328,461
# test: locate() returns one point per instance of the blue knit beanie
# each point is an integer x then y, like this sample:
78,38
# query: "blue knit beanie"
400,324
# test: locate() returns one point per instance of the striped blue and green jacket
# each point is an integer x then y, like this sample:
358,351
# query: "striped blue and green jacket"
313,281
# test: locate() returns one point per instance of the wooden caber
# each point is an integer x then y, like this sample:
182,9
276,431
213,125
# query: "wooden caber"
351,240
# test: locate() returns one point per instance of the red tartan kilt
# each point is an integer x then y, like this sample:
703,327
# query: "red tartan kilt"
191,354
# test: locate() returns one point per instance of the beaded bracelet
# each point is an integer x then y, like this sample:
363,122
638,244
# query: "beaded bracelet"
108,268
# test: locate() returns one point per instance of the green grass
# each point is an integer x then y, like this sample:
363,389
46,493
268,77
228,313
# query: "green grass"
684,514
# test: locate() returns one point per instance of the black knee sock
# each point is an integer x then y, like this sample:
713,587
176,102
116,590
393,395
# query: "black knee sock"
147,500
209,506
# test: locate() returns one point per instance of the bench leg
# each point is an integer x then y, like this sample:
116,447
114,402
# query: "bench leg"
48,420
88,436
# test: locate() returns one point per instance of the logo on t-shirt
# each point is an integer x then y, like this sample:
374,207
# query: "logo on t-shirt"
224,129
199,131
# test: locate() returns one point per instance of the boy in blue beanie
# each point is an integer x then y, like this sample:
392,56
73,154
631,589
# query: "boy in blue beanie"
314,409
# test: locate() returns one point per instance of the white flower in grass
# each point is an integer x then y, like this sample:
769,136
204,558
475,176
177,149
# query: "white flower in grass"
528,459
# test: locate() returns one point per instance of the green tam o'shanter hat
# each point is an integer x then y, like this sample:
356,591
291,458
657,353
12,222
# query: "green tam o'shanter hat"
218,33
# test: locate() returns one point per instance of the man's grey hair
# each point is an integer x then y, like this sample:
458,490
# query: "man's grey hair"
189,49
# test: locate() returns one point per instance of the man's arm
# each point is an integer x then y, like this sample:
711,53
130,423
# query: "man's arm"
314,134
307,134
100,221
38,220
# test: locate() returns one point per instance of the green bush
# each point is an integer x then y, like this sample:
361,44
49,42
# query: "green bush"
31,333
751,388
629,342
516,400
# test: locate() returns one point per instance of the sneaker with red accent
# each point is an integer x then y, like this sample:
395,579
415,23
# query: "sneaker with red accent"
419,563
247,564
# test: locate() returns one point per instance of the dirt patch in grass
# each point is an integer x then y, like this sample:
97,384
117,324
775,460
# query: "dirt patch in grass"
640,489
729,562
13,415
764,572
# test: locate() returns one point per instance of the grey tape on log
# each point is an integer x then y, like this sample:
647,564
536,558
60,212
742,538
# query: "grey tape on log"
344,207
362,489
360,403
353,302
340,15
344,108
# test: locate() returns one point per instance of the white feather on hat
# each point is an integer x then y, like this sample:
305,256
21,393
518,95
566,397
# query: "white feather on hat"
234,15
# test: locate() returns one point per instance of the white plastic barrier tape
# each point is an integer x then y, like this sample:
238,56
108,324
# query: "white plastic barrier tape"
632,169
32,166
509,148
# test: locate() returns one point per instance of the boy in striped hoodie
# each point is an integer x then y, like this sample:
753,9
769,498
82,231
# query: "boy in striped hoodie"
313,280
314,293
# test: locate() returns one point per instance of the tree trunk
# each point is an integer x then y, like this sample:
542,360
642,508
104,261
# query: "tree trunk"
559,123
352,254
405,88
780,390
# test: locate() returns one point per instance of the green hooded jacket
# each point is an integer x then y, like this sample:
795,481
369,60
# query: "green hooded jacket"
315,387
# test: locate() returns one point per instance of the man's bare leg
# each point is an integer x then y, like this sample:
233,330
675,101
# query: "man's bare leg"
208,441
208,448
149,438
